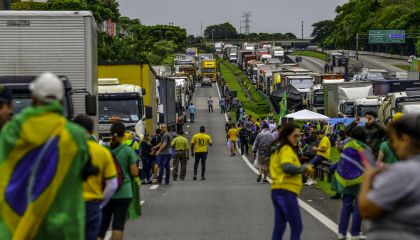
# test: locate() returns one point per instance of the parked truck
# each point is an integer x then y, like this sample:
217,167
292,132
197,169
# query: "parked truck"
209,69
277,52
348,97
406,102
62,42
166,99
241,57
218,47
123,102
337,93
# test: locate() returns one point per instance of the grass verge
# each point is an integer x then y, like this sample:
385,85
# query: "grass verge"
326,186
315,54
403,67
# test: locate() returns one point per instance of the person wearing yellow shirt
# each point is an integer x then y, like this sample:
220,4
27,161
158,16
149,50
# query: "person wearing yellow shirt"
180,145
94,195
323,153
199,144
232,137
286,174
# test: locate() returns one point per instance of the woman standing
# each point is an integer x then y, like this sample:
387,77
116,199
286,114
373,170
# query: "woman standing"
286,174
390,198
117,207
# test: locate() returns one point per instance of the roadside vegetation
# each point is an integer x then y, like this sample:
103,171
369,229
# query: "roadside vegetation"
253,102
314,54
403,67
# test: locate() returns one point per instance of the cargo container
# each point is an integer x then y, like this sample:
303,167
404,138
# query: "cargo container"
209,69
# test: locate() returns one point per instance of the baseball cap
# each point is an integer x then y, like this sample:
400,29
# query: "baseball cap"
47,87
5,95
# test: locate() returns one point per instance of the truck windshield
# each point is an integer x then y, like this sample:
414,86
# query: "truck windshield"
127,110
362,110
23,100
209,70
319,100
348,108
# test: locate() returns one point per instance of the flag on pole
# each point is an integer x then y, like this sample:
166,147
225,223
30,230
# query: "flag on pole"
283,105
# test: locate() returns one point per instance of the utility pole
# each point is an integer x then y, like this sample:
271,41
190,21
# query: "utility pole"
357,46
201,31
247,16
212,38
240,27
302,29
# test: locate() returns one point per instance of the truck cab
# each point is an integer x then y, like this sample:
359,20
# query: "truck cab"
123,102
19,86
364,105
406,102
315,99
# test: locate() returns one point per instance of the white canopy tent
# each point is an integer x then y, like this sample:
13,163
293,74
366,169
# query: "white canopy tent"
307,115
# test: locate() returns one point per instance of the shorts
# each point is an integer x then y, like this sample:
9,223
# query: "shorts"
263,161
116,209
317,160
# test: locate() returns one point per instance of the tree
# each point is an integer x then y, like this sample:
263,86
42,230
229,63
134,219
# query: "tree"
67,5
322,31
221,31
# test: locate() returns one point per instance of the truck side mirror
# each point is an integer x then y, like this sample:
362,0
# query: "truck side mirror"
148,112
91,105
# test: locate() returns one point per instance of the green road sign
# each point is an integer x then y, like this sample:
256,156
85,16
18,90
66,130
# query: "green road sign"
386,36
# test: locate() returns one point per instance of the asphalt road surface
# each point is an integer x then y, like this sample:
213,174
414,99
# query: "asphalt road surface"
229,204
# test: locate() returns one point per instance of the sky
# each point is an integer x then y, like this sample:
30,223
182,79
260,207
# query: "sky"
266,15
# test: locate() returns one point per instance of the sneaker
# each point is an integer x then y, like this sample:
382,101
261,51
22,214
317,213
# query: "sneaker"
203,178
308,182
360,237
265,180
195,178
341,236
259,178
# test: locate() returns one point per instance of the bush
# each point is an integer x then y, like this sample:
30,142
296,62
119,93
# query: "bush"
29,6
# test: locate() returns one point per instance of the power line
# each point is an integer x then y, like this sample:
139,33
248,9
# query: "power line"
247,16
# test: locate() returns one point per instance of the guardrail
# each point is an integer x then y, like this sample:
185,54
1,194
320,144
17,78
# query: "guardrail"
385,55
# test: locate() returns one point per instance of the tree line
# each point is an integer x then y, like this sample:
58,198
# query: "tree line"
360,16
133,41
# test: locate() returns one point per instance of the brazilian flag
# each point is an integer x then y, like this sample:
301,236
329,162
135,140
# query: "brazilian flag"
42,155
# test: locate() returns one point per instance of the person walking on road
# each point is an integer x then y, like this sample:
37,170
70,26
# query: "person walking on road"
210,105
261,149
286,174
5,106
232,137
147,159
43,156
157,138
390,197
192,110
199,150
180,145
348,177
244,134
164,154
95,196
117,207
222,104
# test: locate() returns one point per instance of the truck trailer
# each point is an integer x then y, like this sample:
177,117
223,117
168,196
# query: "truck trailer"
209,69
61,42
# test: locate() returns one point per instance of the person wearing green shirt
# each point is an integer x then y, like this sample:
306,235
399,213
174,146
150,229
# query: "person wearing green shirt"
118,205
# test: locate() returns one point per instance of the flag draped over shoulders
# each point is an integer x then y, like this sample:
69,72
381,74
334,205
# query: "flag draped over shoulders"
41,160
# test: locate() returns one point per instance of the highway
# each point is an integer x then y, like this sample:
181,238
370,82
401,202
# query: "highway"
317,65
229,204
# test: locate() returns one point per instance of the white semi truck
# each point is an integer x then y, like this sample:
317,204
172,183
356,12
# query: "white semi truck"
348,96
62,42
406,102
122,102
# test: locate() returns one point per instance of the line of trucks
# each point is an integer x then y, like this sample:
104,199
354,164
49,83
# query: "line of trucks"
328,94
65,43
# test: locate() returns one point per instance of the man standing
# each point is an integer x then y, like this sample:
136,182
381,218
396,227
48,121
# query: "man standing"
222,104
261,149
374,133
180,144
210,104
43,156
232,137
95,196
192,110
199,144
244,134
323,153
163,153
5,105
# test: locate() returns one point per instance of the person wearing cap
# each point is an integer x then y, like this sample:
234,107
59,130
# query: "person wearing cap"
5,105
40,141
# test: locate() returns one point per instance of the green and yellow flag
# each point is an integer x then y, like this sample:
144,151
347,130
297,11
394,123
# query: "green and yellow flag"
42,155
283,105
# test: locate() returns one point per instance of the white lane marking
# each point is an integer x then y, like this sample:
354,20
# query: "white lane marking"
108,235
154,187
315,213
218,92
